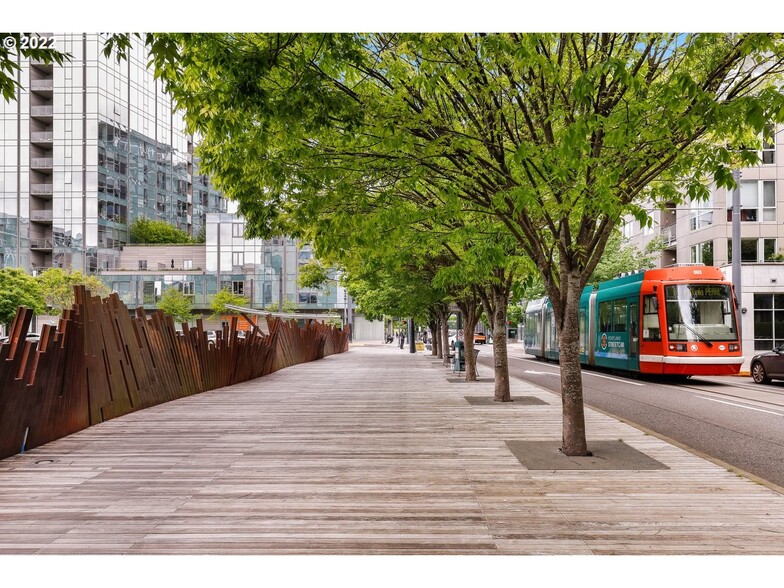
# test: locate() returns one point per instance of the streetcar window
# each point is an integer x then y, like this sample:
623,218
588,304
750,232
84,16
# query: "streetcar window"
699,311
651,331
619,316
605,316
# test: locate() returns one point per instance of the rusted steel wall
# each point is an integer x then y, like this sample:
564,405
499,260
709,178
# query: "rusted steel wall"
100,363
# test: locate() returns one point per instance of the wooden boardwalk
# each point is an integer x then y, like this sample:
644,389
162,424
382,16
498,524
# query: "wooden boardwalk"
367,452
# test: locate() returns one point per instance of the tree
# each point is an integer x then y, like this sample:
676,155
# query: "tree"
57,287
619,258
177,304
17,288
153,231
222,299
556,135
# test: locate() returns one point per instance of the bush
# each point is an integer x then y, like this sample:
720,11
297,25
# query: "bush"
153,231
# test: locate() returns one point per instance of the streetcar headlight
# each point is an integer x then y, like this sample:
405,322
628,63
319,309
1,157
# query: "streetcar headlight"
734,347
677,346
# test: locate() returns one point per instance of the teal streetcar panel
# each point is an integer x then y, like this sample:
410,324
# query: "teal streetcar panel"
617,304
585,324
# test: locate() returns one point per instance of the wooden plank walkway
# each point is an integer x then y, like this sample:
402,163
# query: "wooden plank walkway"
366,452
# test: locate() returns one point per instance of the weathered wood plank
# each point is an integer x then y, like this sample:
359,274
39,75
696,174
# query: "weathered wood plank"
366,452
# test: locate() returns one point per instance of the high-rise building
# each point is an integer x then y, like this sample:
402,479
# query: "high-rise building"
85,149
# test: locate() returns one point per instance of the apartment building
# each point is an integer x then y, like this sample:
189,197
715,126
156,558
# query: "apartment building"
701,232
85,149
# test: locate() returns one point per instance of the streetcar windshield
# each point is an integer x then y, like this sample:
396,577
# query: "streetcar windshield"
700,312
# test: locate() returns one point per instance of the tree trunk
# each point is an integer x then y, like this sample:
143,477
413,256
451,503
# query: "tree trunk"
471,309
573,433
442,314
502,391
468,345
434,348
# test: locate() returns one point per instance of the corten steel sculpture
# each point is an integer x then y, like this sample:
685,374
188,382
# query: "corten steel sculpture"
100,363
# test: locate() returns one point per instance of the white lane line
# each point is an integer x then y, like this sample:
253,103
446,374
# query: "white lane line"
739,405
584,373
542,373
615,379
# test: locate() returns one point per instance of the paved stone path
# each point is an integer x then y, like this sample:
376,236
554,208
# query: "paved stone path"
368,452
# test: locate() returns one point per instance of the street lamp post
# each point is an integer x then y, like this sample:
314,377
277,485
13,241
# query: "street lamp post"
736,273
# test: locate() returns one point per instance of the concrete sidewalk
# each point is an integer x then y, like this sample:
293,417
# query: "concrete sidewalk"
371,451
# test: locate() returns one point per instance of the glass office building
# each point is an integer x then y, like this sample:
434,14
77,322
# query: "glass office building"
86,148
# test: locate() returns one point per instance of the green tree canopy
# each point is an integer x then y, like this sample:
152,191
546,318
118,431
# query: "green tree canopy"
223,298
57,287
154,231
17,288
178,305
558,136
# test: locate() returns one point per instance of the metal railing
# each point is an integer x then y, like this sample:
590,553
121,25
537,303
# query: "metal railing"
41,215
42,137
41,189
668,233
42,85
41,110
41,244
41,162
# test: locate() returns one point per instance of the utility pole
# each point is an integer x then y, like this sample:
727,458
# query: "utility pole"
736,278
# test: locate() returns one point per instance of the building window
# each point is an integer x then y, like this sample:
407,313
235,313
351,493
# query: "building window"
768,152
148,293
187,264
237,230
768,321
757,201
702,253
753,250
238,288
768,249
701,214
142,264
187,288
628,229
308,298
238,258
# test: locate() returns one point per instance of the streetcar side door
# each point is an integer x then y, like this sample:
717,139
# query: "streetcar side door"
633,324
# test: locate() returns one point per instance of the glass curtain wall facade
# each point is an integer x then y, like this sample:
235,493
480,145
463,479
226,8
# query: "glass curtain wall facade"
86,149
266,271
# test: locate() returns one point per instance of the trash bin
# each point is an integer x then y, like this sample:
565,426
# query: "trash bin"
458,363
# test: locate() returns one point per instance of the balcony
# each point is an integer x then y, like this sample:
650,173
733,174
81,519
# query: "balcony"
42,137
44,112
42,163
41,216
45,87
668,235
41,189
41,244
42,65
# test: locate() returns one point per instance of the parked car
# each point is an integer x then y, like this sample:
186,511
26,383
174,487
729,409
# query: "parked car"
34,337
480,338
768,366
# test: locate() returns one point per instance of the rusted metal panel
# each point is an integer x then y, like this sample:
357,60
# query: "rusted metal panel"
100,362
